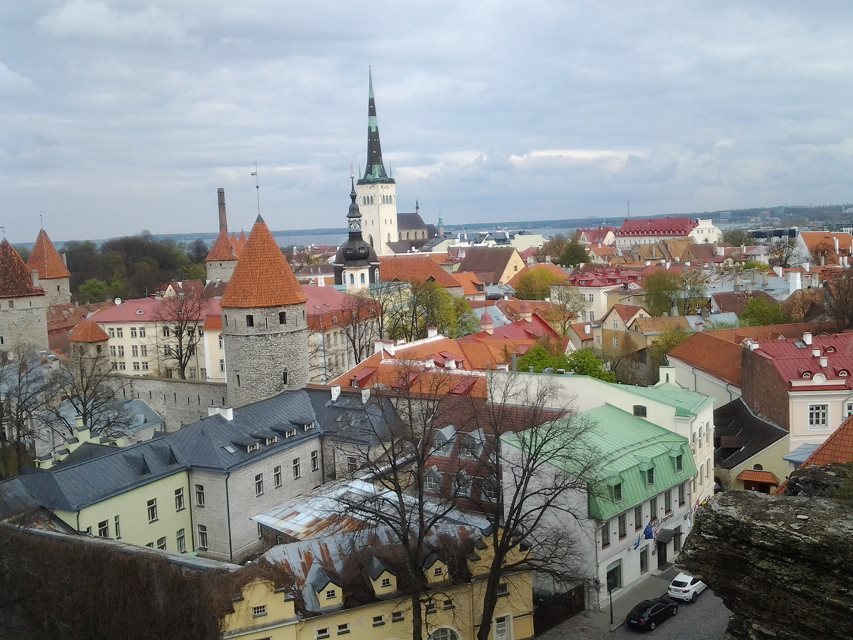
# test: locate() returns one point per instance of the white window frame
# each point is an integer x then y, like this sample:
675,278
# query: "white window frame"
818,416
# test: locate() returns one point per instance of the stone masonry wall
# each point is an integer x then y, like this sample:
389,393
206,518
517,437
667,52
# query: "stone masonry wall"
57,290
220,270
24,323
178,401
258,356
763,390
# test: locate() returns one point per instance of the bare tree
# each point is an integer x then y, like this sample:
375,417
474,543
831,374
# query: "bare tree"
85,388
25,390
362,318
839,298
568,303
783,251
180,317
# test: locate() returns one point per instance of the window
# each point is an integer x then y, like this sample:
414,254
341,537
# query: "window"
271,441
707,433
113,351
650,476
623,525
112,332
431,482
199,495
378,621
503,590
119,332
161,543
202,537
638,517
122,366
115,366
255,446
397,616
142,332
444,634
352,464
133,332
502,627
182,541
818,416
679,463
276,476
282,317
438,571
617,492
296,472
134,351
653,508
644,560
605,535
676,540
315,460
136,366
259,484
260,610
323,633
179,499
145,366
681,494
386,582
431,606
331,594
614,576
104,529
117,527
849,411
448,604
343,629
220,341
667,501
250,320
290,433
284,376
120,351
221,365
152,510
491,489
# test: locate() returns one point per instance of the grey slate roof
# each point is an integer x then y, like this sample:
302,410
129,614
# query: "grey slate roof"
347,418
410,221
207,444
739,434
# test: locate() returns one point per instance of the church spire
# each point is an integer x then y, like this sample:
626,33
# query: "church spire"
375,169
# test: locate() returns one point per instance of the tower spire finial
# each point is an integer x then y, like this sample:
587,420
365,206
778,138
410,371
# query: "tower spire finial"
375,169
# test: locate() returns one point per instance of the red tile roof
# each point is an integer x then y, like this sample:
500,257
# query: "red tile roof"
823,242
750,475
626,311
656,227
15,278
327,307
594,236
262,277
46,259
143,310
520,330
222,249
470,283
415,268
795,361
88,331
837,448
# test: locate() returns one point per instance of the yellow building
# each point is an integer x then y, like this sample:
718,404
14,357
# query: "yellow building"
318,606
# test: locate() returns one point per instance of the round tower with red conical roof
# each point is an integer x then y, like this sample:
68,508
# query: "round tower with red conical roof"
264,325
23,305
53,273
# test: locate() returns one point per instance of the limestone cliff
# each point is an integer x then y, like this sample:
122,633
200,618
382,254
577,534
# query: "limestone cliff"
784,564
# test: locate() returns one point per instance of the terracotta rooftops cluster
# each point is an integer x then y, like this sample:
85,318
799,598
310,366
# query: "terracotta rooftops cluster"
810,361
15,278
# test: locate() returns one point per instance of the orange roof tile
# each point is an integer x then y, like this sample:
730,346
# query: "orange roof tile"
222,249
88,331
46,259
626,311
471,284
15,278
262,277
837,448
750,475
414,268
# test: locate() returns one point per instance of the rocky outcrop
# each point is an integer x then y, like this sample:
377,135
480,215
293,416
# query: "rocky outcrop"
784,564
831,481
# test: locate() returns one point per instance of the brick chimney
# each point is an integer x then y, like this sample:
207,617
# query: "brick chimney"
223,220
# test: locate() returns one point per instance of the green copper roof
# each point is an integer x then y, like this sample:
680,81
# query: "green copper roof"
687,403
628,446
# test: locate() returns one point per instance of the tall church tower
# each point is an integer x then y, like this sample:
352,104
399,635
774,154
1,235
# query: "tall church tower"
376,191
356,265
264,325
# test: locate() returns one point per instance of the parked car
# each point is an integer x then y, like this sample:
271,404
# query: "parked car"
685,588
648,614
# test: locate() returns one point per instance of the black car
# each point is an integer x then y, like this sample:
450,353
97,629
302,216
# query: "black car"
648,614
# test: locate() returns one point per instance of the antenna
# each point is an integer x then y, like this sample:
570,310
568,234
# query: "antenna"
3,231
41,220
629,208
257,187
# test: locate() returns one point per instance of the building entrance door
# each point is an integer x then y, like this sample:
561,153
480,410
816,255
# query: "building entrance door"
662,561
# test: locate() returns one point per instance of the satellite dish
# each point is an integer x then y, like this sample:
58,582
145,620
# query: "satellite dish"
117,301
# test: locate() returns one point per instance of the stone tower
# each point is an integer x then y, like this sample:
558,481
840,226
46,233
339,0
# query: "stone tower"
222,258
23,305
264,324
376,190
356,265
53,273
89,343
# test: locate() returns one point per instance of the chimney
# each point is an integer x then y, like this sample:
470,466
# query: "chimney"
34,276
386,345
587,329
816,353
794,282
336,391
225,412
824,361
524,312
778,271
223,221
432,332
835,238
365,396
487,324
807,338
65,259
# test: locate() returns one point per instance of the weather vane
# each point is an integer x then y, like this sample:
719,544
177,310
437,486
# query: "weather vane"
257,187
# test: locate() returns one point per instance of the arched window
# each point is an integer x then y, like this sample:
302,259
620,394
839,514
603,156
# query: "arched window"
351,279
444,634
361,278
757,467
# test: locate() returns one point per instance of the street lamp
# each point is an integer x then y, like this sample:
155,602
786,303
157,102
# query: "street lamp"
611,584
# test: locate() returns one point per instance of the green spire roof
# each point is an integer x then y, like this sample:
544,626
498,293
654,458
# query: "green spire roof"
375,169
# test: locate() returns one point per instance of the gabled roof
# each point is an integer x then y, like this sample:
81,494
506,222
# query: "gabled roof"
262,277
223,249
651,326
88,331
470,283
410,221
736,301
741,434
656,227
46,259
533,329
15,278
414,268
487,259
625,311
686,403
824,242
837,448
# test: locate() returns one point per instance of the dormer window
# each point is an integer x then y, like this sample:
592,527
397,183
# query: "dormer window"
807,375
438,571
830,349
253,447
386,582
617,492
650,476
640,410
843,373
679,463
272,440
290,433
331,594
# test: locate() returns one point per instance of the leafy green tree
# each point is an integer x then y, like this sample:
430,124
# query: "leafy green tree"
573,255
466,321
761,312
547,355
553,247
427,304
584,362
535,284
736,237
93,290
666,343
668,292
750,265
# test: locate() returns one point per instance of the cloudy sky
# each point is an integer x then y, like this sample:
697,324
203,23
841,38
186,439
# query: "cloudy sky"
127,115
